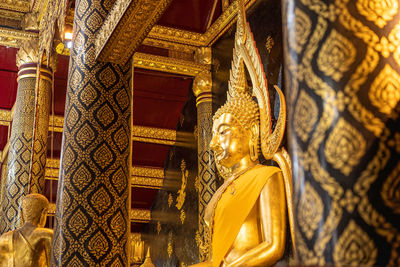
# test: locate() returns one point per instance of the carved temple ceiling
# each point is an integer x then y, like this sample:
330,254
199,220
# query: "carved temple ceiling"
163,36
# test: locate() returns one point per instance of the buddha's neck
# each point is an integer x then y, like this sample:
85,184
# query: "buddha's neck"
243,165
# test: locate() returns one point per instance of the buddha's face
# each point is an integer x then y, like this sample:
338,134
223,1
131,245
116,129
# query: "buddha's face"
230,142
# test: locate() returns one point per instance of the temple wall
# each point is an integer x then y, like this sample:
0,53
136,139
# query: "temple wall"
171,232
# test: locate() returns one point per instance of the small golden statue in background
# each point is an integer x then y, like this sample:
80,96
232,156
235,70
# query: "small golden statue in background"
29,245
247,215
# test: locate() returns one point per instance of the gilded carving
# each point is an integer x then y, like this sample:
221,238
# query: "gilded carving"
344,147
310,211
140,215
29,22
182,216
336,55
166,64
218,28
125,27
15,5
384,93
180,200
379,12
14,38
170,200
28,53
169,246
305,116
354,248
269,44
158,227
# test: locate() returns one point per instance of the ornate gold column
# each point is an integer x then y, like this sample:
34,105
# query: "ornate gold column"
202,86
92,219
342,68
20,149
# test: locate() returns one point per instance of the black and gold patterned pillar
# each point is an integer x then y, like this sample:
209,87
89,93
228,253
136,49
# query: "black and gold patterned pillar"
92,219
17,182
202,85
342,68
41,128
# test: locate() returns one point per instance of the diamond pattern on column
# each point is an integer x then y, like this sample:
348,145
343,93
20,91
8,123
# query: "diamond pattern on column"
86,134
108,77
121,97
100,200
121,139
76,260
117,224
103,156
93,20
73,116
88,96
98,246
82,178
119,181
78,223
105,115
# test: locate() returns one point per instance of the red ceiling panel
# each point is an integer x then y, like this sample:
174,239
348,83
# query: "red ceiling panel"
8,89
190,15
3,136
142,198
60,84
146,154
7,58
159,98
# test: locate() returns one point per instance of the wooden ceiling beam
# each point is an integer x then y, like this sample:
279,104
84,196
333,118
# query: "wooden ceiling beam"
141,177
125,27
14,38
139,133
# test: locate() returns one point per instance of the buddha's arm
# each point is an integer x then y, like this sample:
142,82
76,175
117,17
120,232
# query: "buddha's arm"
273,226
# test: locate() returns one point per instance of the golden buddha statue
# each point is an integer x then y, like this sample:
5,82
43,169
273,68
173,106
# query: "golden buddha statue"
249,213
30,244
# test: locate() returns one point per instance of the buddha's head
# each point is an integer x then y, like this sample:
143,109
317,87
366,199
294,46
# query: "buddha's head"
236,132
34,209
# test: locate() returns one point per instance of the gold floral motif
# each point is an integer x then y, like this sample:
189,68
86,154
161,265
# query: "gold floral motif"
354,248
180,200
349,201
269,44
182,216
305,115
170,200
391,190
344,147
158,227
336,55
379,12
384,92
169,246
298,35
310,211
